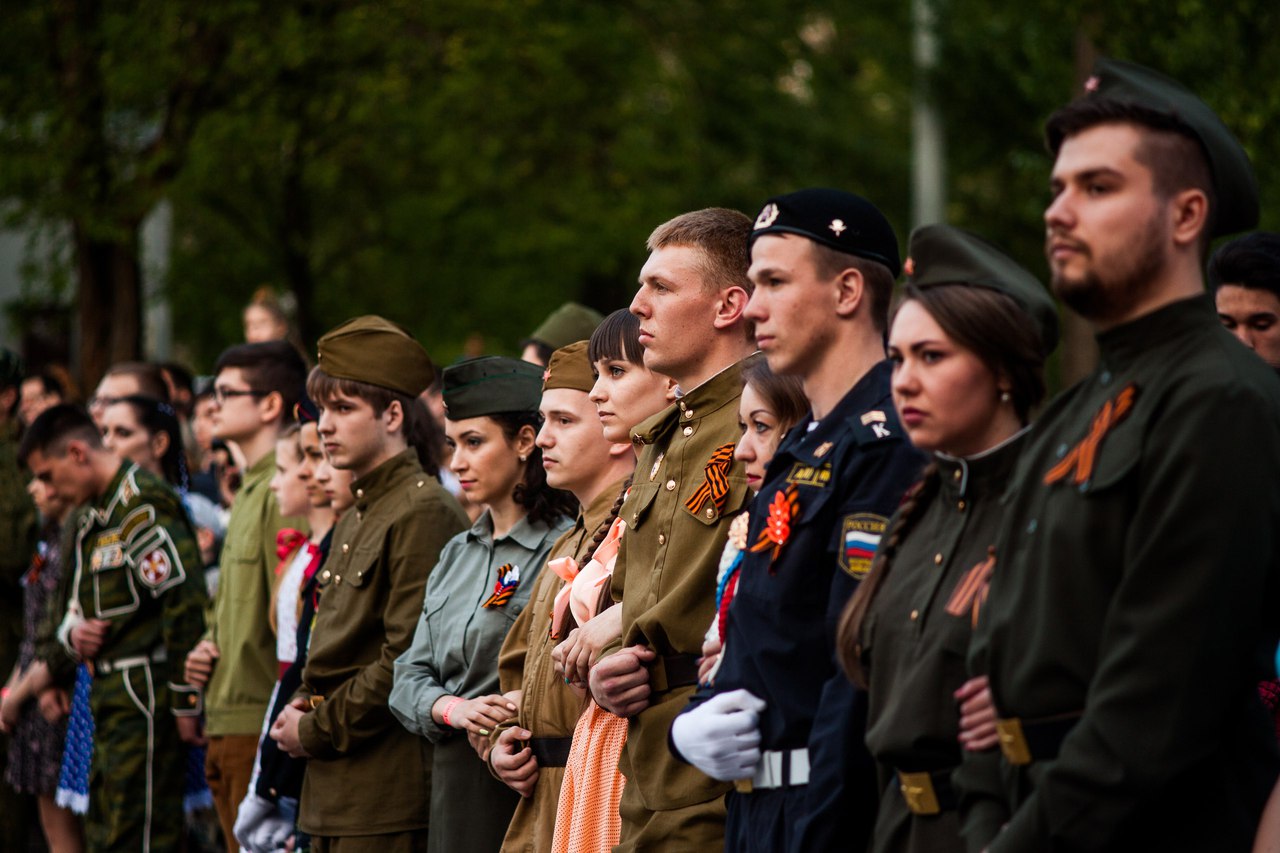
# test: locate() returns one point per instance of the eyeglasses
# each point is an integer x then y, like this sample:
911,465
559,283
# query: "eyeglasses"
223,394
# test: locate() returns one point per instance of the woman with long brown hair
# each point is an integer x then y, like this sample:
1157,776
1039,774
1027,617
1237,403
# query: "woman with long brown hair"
968,346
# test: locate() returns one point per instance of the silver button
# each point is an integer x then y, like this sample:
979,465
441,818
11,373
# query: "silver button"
359,493
345,547
688,413
671,485
688,430
662,539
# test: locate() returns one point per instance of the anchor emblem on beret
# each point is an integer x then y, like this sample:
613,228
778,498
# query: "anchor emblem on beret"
838,226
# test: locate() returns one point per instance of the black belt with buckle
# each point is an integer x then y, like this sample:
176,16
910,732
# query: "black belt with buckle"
1025,741
671,672
928,792
551,751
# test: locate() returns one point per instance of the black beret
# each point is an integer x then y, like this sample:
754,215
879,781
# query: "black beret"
846,222
940,255
1234,182
489,385
305,411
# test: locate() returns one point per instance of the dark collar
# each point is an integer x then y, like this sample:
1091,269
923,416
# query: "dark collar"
1122,345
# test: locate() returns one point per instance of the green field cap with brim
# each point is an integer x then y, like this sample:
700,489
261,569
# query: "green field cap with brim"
939,255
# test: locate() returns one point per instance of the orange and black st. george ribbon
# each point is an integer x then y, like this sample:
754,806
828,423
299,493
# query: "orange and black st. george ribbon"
1077,466
971,592
715,488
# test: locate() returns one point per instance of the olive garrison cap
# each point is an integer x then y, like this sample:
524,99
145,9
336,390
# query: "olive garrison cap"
568,323
1234,182
835,218
944,255
569,367
489,385
375,350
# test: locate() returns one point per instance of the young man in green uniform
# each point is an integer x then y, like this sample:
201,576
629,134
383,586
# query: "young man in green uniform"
256,387
529,753
1130,601
367,785
691,302
136,607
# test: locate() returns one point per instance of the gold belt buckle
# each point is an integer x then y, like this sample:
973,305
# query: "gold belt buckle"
1012,741
917,790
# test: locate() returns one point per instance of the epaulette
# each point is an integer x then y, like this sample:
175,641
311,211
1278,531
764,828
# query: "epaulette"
876,425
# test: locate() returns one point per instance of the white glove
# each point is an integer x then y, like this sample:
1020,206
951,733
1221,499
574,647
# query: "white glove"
721,737
253,810
270,835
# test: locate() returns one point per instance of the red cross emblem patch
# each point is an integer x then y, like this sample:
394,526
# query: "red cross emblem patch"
155,567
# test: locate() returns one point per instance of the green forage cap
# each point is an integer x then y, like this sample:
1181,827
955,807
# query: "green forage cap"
569,367
375,350
940,255
489,385
568,323
1234,182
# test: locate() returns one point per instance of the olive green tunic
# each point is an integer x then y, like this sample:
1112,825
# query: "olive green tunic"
665,578
548,707
1138,560
367,775
916,635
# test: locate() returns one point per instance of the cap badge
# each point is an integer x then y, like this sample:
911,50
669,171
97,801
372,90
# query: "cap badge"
767,216
838,226
1091,85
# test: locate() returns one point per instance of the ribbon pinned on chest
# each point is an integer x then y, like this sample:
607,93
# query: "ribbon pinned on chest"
715,488
1077,465
783,509
504,587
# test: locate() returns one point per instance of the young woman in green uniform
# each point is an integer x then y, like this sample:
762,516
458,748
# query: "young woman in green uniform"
968,347
446,683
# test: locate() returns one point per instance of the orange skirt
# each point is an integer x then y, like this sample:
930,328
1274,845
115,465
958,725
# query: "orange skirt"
587,819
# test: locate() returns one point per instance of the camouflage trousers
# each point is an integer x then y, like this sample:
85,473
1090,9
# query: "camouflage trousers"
139,763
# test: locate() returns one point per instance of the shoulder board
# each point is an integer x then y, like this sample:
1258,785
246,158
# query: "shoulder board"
875,426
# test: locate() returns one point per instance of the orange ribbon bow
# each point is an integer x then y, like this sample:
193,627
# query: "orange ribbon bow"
777,527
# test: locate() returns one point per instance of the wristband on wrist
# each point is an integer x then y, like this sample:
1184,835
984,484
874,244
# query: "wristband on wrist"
449,706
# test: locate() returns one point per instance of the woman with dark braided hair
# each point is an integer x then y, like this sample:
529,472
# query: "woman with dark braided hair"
968,346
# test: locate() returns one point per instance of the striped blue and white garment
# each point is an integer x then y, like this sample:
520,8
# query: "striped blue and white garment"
77,755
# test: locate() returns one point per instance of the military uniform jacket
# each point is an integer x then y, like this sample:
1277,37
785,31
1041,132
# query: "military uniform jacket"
824,504
1137,552
548,707
137,565
456,644
245,675
686,490
367,774
916,635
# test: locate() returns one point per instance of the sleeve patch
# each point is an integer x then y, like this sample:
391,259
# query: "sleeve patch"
155,567
859,538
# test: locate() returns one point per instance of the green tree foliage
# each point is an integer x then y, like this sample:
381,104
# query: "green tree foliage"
468,167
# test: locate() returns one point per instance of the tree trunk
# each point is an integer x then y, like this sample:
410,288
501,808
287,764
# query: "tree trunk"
109,302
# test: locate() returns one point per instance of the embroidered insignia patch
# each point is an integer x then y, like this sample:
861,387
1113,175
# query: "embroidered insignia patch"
824,449
155,567
808,475
108,556
715,488
767,216
873,417
1077,466
860,537
504,587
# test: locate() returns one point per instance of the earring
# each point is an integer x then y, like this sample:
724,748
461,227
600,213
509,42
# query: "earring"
1005,397
524,458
